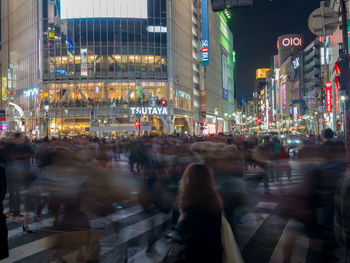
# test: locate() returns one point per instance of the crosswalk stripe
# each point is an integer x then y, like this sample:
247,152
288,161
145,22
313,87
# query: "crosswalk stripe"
300,249
39,245
266,205
96,223
29,249
250,223
111,241
161,247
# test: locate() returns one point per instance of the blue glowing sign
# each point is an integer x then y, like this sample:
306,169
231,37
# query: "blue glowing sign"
70,44
61,72
205,33
31,92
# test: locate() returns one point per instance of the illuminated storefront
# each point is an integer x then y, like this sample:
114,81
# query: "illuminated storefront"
77,70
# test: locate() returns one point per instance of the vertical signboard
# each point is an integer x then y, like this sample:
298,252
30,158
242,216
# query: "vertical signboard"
2,115
83,62
283,90
349,33
224,73
205,33
296,76
337,99
329,97
4,89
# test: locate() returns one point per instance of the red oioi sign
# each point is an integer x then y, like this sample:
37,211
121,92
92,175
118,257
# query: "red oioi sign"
329,97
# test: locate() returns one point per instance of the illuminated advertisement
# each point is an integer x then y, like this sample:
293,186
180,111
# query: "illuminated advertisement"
296,76
329,97
224,73
71,9
4,89
292,41
277,98
337,99
83,62
288,45
349,33
261,73
223,27
283,91
205,33
31,92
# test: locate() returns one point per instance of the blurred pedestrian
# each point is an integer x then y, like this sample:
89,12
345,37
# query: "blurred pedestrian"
199,226
17,157
4,252
342,216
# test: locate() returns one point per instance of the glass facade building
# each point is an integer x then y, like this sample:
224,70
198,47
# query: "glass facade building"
95,65
77,66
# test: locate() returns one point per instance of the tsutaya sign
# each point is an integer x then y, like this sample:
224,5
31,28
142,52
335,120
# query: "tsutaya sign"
160,111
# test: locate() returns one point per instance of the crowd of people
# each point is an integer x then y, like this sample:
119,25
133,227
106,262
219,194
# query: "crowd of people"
201,181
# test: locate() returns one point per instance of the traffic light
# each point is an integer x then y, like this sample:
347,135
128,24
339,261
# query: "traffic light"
163,102
342,70
221,5
137,124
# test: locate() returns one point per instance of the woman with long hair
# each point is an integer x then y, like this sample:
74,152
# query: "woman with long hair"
199,225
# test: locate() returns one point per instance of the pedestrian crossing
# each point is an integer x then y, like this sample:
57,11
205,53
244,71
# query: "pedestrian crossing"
135,226
247,228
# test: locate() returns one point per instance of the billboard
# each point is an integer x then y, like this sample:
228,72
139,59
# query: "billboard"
205,33
103,9
283,91
290,42
288,45
261,73
296,77
224,71
83,62
328,97
4,89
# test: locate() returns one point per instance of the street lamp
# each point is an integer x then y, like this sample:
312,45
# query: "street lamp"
216,120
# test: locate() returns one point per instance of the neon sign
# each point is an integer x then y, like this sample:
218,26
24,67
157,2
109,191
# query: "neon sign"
329,96
160,111
30,92
205,33
296,41
296,63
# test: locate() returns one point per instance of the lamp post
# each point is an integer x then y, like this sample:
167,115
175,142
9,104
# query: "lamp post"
47,108
216,120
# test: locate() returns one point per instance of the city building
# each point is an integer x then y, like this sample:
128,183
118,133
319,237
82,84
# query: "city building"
312,84
260,90
97,70
334,113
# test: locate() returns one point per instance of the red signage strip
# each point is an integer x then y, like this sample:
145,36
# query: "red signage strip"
329,96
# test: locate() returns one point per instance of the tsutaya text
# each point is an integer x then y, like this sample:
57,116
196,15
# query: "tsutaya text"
149,111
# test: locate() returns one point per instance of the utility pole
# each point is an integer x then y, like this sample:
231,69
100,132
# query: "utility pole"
344,27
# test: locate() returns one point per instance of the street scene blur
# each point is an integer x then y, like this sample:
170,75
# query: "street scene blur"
150,131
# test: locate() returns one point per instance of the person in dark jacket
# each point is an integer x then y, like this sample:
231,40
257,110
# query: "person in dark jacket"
199,226
4,252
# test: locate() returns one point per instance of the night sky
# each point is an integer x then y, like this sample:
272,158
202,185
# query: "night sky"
255,32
